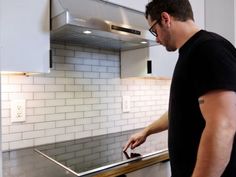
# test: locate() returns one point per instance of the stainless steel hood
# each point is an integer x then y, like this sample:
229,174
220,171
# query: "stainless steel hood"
110,26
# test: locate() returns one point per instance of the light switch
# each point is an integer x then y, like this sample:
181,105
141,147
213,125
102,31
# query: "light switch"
126,103
17,110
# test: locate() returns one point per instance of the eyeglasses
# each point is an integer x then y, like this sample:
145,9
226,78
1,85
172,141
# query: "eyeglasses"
153,31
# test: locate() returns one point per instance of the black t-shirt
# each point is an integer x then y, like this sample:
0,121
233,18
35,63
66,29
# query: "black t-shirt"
206,62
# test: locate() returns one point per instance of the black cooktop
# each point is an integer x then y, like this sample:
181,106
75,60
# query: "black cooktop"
93,154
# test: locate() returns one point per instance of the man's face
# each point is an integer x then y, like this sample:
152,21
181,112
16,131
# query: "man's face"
163,33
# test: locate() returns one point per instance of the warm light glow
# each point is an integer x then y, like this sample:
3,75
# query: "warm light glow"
143,42
87,32
17,73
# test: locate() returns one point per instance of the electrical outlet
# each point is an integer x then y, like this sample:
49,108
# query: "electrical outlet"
17,111
126,103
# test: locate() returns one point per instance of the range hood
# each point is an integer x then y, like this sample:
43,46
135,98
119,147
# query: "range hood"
99,24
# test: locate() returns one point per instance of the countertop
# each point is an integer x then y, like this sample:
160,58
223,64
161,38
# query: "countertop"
28,163
81,156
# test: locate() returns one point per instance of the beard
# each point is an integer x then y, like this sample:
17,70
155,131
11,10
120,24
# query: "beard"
170,49
168,44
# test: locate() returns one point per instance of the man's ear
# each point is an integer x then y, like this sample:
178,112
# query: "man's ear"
165,18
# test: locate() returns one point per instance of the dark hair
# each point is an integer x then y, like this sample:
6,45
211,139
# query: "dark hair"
180,9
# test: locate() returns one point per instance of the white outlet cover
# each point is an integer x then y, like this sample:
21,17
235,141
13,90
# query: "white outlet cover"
17,111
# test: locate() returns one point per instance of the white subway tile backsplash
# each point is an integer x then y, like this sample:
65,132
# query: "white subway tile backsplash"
91,75
83,81
91,62
107,75
113,70
54,131
5,130
114,129
107,87
64,123
99,69
64,109
83,108
74,115
83,134
97,132
44,140
44,110
84,94
32,88
35,103
5,88
55,117
17,96
4,79
55,73
99,106
33,134
21,144
72,74
74,101
91,101
43,95
94,126
74,129
107,100
107,124
73,88
83,67
65,95
91,87
64,81
5,113
107,112
80,97
99,56
5,146
72,60
54,88
99,94
35,119
6,121
65,53
5,97
20,80
55,102
91,114
80,54
21,128
44,125
11,137
58,59
65,137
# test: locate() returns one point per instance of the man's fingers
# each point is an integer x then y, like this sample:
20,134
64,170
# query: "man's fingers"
135,144
127,145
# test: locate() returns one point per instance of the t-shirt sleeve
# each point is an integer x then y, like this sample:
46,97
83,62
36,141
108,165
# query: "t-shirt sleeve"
214,67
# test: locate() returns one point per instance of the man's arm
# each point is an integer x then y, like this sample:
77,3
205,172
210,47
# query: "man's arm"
137,139
219,111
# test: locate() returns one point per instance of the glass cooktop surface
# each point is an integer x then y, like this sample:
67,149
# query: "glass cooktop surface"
89,155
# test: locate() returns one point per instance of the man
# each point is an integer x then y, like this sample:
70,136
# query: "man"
201,119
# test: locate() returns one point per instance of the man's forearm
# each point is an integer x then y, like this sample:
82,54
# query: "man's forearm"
159,125
214,152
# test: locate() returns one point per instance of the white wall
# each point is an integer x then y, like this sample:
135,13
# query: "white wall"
81,97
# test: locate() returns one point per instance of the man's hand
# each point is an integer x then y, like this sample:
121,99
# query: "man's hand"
136,140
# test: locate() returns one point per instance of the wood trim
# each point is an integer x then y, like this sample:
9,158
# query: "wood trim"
136,165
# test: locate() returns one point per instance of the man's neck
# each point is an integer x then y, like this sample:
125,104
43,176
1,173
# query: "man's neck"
184,31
